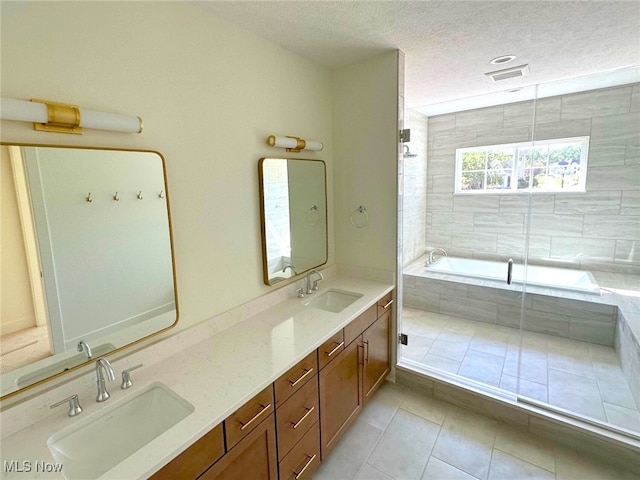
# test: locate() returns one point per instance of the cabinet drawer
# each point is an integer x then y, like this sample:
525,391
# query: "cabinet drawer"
304,459
330,349
295,378
384,304
253,458
196,459
295,416
247,417
360,324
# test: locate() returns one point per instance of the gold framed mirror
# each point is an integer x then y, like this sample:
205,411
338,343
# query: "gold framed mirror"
87,259
293,214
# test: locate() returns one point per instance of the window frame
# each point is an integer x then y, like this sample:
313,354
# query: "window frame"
513,189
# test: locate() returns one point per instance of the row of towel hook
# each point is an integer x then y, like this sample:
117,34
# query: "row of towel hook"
116,196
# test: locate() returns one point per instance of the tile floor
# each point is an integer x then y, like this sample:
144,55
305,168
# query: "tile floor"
405,434
577,376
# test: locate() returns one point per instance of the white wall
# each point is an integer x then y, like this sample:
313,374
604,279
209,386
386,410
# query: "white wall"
209,94
365,135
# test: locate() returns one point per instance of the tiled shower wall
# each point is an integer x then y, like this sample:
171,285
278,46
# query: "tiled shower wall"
414,213
596,230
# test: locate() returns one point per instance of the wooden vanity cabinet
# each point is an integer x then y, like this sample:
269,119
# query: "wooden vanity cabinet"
330,349
297,428
340,395
376,351
247,417
253,457
250,440
295,378
349,380
288,428
196,459
304,459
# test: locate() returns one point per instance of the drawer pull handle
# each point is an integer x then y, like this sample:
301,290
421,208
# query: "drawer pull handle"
388,304
304,375
309,410
338,347
306,465
264,409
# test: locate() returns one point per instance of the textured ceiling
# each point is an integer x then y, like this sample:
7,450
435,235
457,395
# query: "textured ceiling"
448,44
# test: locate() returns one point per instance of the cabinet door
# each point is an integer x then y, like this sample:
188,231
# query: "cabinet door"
340,395
196,459
253,457
376,355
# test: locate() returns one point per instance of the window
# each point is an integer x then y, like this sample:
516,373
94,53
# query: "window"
558,165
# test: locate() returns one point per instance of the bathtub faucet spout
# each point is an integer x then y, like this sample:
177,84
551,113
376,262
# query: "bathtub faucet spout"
432,253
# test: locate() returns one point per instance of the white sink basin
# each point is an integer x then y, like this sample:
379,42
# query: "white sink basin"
93,446
333,300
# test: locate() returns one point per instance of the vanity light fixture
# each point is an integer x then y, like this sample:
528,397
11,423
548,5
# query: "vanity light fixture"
294,144
64,118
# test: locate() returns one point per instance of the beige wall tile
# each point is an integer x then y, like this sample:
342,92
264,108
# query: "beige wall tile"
598,202
608,101
615,127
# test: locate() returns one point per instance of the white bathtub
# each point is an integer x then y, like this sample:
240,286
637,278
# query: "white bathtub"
562,278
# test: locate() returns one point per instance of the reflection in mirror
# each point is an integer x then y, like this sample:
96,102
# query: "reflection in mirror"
293,202
86,257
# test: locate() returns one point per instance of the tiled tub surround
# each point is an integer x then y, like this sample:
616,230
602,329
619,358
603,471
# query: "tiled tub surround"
546,310
216,369
611,319
598,230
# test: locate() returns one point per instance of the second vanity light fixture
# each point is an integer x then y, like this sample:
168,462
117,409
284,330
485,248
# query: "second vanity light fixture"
294,144
64,118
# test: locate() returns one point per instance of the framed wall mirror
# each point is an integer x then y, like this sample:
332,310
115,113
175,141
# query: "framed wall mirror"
86,261
293,206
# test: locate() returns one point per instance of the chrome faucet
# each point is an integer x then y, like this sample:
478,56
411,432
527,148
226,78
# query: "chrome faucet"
293,270
431,260
103,364
310,287
84,348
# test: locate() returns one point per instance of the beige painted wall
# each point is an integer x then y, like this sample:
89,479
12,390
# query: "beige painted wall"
365,136
209,94
16,306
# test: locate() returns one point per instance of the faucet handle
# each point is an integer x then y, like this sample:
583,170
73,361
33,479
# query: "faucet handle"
300,292
126,377
74,405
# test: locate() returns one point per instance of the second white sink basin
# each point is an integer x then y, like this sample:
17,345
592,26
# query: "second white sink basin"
93,446
333,300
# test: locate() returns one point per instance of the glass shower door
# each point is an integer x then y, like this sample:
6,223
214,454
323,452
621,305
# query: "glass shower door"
578,348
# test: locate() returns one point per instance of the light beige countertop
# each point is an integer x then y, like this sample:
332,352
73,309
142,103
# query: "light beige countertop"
216,374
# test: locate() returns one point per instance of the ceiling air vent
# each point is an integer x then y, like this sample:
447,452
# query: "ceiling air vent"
513,72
